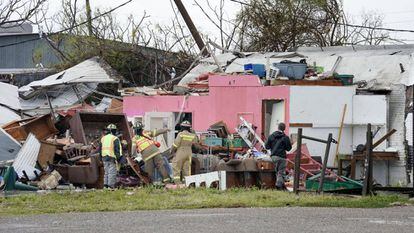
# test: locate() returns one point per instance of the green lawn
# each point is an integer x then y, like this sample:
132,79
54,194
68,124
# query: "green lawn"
160,199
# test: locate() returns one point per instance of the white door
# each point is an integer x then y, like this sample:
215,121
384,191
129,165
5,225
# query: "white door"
278,115
161,120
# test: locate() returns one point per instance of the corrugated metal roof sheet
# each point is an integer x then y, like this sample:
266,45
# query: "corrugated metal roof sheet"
61,97
7,115
9,96
93,70
27,157
9,147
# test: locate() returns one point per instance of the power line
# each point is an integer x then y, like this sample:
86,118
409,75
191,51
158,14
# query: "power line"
70,28
345,24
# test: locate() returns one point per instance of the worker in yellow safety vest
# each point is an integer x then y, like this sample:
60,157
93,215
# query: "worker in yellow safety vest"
183,147
110,152
148,148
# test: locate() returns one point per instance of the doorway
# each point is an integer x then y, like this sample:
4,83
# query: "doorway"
273,113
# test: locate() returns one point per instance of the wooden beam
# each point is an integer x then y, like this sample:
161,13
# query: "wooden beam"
377,143
301,125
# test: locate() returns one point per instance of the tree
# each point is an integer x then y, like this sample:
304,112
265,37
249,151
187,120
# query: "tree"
143,53
16,12
369,35
280,25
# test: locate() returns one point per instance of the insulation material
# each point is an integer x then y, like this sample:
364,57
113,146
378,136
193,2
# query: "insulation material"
27,157
9,147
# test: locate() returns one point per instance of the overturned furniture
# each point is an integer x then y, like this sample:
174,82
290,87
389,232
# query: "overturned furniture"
87,127
42,127
237,173
82,173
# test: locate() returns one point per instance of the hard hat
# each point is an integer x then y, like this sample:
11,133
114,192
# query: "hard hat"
138,125
185,124
111,127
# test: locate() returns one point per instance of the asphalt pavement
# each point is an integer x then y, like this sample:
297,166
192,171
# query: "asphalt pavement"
288,219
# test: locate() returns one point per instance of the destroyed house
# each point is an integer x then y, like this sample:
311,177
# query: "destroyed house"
383,79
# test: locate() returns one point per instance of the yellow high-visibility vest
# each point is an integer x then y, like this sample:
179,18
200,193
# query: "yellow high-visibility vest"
107,143
143,143
187,137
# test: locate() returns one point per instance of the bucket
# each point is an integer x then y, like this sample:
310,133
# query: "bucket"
292,70
346,79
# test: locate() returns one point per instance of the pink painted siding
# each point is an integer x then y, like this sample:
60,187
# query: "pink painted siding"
230,96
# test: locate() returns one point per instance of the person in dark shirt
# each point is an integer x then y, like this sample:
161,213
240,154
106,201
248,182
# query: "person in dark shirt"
278,143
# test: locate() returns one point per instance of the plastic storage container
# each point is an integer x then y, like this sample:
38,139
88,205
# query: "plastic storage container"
292,70
257,69
346,79
213,141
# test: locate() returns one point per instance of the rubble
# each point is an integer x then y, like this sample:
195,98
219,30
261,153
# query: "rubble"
61,139
42,127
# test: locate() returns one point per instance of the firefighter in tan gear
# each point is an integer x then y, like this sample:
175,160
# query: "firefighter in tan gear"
110,152
148,148
183,146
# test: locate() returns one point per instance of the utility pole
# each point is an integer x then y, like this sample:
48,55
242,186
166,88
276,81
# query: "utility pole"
89,17
199,41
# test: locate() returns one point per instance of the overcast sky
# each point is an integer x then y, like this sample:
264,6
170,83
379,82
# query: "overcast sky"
398,13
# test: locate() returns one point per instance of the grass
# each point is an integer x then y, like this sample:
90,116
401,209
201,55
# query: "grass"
160,199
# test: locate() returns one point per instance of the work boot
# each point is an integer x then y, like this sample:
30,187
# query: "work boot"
168,180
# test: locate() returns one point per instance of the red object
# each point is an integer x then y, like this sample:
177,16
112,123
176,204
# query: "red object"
203,77
157,144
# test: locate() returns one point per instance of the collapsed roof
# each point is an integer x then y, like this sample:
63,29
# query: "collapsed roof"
379,66
66,88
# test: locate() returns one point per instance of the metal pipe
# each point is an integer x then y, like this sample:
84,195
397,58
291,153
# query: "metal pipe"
199,41
325,162
314,139
366,190
297,162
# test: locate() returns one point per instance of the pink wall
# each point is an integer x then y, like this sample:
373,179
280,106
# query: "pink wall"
230,96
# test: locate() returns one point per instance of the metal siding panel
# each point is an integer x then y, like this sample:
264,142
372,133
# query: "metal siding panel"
27,156
93,70
9,147
21,55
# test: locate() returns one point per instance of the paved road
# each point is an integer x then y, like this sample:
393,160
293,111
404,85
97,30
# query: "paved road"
289,219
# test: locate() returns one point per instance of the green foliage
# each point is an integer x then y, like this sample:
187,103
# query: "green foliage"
153,198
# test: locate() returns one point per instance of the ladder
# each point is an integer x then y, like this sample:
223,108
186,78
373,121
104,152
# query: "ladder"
249,136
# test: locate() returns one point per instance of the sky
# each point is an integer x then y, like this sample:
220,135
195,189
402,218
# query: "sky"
398,14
